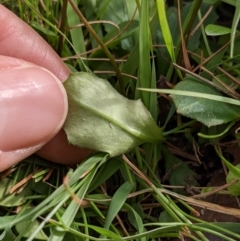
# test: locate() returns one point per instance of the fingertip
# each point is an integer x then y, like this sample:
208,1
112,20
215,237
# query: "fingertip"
33,108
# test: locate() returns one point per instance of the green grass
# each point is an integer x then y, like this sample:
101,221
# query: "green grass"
140,195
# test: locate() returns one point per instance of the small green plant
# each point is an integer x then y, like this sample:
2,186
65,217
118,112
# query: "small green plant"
141,184
95,105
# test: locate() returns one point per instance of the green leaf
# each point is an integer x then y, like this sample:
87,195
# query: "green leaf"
106,171
44,30
100,118
77,37
144,73
136,219
58,233
235,188
235,22
165,28
120,13
226,80
7,235
179,172
125,36
216,30
208,112
118,199
12,200
106,233
165,217
28,227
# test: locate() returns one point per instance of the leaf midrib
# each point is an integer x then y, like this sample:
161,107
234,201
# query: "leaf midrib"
118,124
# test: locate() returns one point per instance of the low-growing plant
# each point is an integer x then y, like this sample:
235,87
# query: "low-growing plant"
154,83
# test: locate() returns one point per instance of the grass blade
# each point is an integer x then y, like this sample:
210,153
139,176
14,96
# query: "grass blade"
76,33
117,202
234,27
165,28
144,76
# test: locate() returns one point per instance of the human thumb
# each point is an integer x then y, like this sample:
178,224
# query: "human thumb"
33,107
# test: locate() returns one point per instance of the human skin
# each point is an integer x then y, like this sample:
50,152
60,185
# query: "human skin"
33,102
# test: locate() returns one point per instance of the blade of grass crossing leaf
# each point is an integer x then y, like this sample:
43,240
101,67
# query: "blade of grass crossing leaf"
195,94
118,199
165,28
144,73
234,27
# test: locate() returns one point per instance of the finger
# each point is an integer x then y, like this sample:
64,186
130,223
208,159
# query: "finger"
33,107
18,40
58,150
